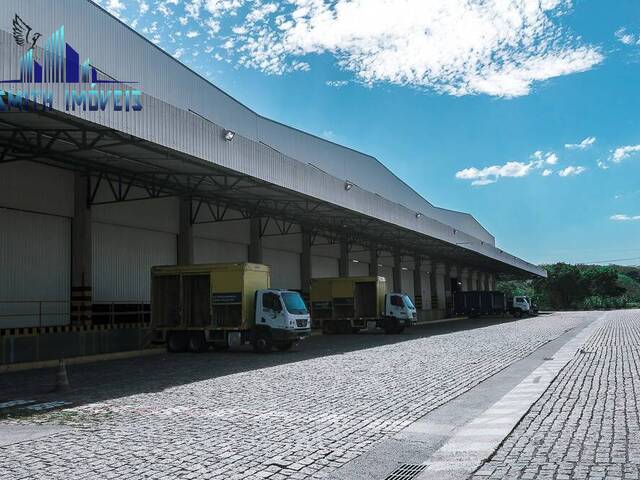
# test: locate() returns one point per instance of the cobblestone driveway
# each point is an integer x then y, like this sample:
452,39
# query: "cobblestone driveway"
587,423
296,420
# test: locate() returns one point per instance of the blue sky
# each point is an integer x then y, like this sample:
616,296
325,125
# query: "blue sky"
523,113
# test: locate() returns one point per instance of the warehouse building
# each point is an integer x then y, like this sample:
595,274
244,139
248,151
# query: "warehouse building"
115,157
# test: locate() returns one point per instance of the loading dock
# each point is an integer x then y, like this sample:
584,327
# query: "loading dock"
118,192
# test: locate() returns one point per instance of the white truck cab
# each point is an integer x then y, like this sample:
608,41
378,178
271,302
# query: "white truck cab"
398,310
520,306
281,319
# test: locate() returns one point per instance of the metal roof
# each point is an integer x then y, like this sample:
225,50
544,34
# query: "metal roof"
133,168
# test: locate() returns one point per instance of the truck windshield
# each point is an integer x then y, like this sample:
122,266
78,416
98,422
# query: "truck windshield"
409,303
294,303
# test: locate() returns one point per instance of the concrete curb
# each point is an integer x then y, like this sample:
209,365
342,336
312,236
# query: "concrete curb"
18,367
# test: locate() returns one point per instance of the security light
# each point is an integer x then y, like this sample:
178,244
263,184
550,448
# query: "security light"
348,186
355,261
229,135
418,215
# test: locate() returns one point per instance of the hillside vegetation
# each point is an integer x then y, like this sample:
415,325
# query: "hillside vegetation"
581,287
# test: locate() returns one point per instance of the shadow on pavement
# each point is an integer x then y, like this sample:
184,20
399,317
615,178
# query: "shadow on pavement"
117,378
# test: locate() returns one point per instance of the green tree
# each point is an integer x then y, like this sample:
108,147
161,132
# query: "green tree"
564,288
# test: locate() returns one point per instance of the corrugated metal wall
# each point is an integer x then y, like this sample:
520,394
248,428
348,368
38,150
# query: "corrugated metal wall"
285,268
37,188
122,261
407,283
359,269
35,266
323,267
217,251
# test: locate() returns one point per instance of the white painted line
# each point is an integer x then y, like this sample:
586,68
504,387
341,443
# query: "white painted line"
39,407
14,403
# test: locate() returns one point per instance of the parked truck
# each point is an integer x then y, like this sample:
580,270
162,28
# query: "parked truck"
477,303
519,306
224,305
533,305
347,304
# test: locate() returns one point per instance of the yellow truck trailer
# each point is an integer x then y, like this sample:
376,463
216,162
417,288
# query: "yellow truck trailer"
224,305
347,304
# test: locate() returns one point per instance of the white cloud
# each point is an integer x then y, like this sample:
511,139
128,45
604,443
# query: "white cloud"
143,7
192,34
484,181
583,145
336,83
220,7
456,47
620,217
115,7
261,11
192,9
571,170
627,38
622,153
487,175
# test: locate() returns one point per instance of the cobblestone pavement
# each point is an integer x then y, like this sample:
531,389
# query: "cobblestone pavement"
296,420
587,424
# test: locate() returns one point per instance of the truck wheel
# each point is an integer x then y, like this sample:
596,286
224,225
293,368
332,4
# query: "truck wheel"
197,342
262,342
283,347
177,342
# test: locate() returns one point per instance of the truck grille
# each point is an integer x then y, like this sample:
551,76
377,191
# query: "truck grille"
301,323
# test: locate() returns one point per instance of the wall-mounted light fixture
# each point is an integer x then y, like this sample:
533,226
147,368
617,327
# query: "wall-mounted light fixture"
418,215
229,135
355,261
348,186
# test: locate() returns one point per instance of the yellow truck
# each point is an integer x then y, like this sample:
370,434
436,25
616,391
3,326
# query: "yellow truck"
224,305
347,304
